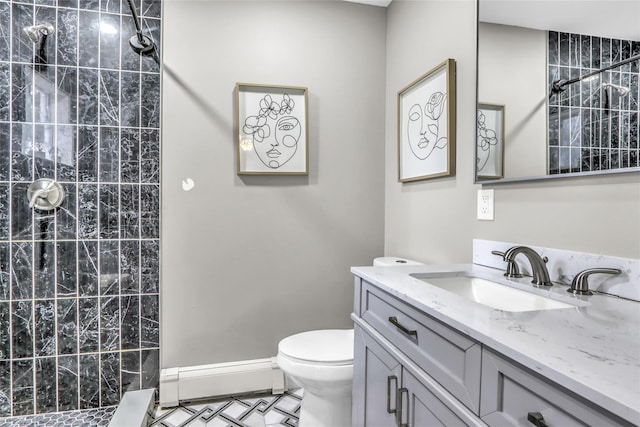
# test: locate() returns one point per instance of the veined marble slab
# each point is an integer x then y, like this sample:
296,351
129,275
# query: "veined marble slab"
564,265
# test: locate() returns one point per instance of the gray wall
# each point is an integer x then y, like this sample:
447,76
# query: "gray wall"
434,221
247,261
512,64
431,221
264,257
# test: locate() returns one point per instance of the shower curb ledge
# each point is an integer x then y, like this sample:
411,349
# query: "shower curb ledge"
134,409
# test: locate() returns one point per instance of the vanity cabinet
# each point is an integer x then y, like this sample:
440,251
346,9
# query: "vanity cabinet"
451,358
412,370
395,345
511,394
395,393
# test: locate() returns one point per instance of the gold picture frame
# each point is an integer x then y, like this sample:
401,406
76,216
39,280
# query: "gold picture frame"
427,125
490,141
272,135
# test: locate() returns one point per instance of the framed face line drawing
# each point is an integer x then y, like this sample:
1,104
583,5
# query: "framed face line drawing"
427,125
271,130
490,141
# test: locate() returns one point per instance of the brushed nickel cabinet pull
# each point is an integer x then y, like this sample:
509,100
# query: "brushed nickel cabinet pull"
395,387
399,400
394,322
536,419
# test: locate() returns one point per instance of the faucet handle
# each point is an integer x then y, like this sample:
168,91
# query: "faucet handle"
580,283
512,267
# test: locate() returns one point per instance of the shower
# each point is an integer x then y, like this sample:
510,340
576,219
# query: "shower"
140,43
608,89
560,85
622,91
34,32
70,90
38,35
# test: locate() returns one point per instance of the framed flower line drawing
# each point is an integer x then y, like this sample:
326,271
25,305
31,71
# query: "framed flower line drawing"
427,125
271,130
490,141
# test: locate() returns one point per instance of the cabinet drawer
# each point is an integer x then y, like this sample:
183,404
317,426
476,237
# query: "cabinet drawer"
510,392
449,357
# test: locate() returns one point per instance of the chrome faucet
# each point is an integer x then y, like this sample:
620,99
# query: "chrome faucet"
538,264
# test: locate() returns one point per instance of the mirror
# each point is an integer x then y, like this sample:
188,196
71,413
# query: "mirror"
589,125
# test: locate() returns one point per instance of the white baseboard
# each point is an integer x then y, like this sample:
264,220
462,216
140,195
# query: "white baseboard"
204,381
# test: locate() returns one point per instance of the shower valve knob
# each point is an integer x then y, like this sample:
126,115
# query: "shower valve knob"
45,194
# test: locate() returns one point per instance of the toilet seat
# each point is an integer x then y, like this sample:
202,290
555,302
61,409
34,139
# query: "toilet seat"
328,347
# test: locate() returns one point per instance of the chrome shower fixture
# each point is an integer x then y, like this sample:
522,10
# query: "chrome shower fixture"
622,91
560,85
35,31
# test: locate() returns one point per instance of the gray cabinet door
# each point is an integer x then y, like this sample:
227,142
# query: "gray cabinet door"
424,408
510,392
377,377
386,388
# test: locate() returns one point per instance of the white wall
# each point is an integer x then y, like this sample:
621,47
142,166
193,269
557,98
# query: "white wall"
247,261
434,221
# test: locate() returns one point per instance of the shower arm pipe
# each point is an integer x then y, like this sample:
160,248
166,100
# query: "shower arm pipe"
136,21
559,85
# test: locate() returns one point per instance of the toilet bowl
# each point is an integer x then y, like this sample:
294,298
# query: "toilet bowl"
321,362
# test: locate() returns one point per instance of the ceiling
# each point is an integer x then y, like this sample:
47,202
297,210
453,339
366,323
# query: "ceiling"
606,18
618,19
382,3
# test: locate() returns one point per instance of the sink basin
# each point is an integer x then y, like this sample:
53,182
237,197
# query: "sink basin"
492,294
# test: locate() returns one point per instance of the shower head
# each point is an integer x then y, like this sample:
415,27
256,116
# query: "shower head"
622,91
34,32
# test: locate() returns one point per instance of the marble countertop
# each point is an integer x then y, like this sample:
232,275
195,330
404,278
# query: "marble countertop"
592,349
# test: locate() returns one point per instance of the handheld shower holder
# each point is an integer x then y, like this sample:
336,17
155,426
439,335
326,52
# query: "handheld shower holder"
141,44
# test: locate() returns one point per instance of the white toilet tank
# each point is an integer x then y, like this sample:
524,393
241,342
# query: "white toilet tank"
388,261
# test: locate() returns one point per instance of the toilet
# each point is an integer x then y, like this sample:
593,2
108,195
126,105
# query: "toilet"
321,362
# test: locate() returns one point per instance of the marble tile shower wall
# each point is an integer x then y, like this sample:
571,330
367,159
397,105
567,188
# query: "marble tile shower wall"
591,126
79,286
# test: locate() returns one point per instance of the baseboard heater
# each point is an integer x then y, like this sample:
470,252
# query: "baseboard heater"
221,379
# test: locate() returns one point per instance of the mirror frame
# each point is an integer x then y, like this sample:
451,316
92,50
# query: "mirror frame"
499,181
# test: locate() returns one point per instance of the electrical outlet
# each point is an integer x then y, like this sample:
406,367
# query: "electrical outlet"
485,205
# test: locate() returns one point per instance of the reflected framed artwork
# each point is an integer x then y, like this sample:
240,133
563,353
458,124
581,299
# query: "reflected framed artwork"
426,125
272,136
490,141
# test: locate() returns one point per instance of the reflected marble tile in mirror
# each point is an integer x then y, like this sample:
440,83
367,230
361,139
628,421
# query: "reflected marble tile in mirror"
590,127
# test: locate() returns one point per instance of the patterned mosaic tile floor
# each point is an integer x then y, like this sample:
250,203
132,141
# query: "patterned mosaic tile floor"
85,418
247,411
244,411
